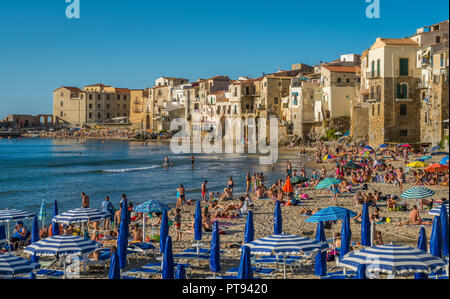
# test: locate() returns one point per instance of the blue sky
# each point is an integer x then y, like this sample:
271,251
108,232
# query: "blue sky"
131,43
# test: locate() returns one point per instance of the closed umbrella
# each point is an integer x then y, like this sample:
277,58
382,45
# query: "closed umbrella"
249,228
181,272
287,188
164,231
198,222
444,222
114,269
245,265
422,245
436,238
168,264
365,227
321,258
122,242
35,237
277,220
55,226
346,235
361,272
214,261
42,213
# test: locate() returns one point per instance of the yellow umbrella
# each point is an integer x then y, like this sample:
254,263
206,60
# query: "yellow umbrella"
417,164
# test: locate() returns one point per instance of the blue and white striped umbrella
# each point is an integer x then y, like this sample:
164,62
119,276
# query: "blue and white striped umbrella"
81,215
327,183
436,211
13,214
11,265
285,244
417,193
62,245
392,259
330,214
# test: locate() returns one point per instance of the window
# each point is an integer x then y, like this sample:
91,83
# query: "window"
118,96
107,107
404,133
90,106
379,108
125,97
62,103
348,80
378,67
339,80
98,97
90,97
403,109
373,110
402,91
275,101
62,114
404,67
90,115
99,115
107,96
373,68
107,115
99,106
438,39
124,106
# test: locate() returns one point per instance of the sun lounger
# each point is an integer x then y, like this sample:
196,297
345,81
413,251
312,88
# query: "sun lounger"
141,248
256,270
49,274
291,261
152,269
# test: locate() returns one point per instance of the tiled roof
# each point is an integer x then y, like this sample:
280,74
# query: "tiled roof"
341,69
99,85
72,89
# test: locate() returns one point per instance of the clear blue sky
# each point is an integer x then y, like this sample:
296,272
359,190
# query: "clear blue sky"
129,43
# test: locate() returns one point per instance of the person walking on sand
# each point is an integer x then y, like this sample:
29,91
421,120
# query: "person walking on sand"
204,191
108,208
177,221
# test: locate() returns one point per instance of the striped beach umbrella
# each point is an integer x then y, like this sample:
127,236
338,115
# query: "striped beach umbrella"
151,206
81,215
330,214
417,193
444,161
62,245
369,148
13,214
11,266
392,259
436,211
424,158
326,183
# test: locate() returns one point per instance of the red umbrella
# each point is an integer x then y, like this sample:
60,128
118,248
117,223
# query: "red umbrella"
406,145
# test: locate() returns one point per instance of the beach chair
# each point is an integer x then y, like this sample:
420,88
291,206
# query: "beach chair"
256,270
142,248
103,260
340,275
292,262
49,274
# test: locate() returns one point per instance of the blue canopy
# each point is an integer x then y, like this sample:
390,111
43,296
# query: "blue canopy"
122,242
277,220
214,260
330,214
249,228
440,154
62,245
444,222
365,227
151,206
346,235
55,226
321,258
347,133
422,245
444,161
435,148
164,231
198,222
11,265
369,147
245,266
436,238
114,269
81,215
13,214
168,264
181,272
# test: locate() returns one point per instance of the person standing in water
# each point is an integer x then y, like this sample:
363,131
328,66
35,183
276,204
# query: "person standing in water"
231,186
204,191
192,161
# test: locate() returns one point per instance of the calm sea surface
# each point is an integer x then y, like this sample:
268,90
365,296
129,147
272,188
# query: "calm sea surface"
33,169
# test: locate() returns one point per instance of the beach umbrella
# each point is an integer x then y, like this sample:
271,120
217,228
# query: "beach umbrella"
320,268
151,206
8,215
122,242
286,245
406,145
383,146
114,269
369,148
55,226
249,228
81,215
328,157
361,272
42,213
346,234
214,261
365,227
245,266
181,272
436,211
352,165
436,238
330,214
435,148
436,168
425,158
11,266
444,222
422,245
392,259
440,154
444,161
416,164
287,188
417,193
62,245
198,222
298,179
277,220
35,237
326,183
164,231
168,264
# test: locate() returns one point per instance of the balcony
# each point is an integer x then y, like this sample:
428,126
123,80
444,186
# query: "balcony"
374,75
409,74
423,85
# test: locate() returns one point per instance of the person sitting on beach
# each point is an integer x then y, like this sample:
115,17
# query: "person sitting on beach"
137,233
428,202
20,233
158,220
206,220
414,219
392,203
43,233
375,216
190,202
232,207
304,211
260,194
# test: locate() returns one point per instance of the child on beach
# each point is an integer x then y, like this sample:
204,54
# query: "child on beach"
177,221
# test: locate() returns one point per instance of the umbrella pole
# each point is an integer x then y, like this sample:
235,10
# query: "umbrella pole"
7,233
284,266
372,231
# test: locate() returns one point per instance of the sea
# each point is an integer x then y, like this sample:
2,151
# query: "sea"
34,169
